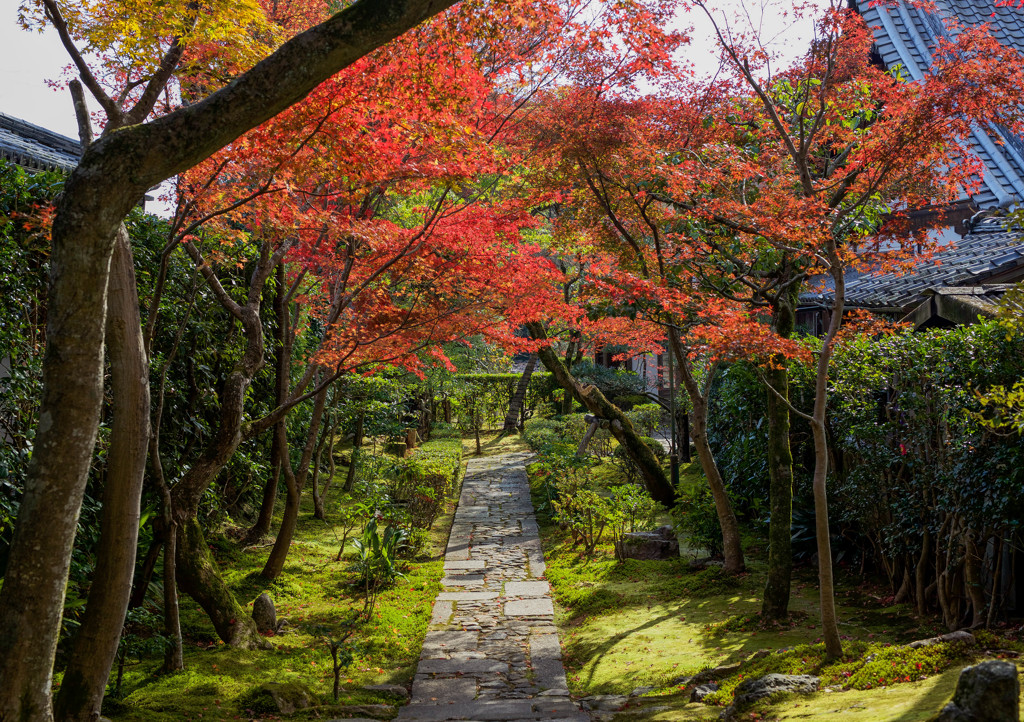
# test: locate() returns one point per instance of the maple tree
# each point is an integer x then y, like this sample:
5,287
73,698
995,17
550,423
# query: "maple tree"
725,195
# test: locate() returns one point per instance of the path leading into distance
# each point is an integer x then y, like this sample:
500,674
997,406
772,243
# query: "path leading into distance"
492,652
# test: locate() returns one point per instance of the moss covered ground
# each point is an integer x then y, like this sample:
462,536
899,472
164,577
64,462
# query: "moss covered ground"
648,623
315,592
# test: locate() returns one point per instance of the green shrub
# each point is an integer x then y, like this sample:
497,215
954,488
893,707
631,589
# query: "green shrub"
542,433
425,481
696,518
628,467
646,418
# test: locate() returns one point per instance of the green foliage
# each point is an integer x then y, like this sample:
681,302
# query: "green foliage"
696,518
24,265
629,468
613,383
377,564
425,481
865,666
646,418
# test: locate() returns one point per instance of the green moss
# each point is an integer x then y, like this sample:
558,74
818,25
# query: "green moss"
222,683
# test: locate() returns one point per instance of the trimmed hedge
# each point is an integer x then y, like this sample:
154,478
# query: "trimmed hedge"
426,480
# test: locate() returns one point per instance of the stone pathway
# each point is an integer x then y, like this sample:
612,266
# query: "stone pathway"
492,651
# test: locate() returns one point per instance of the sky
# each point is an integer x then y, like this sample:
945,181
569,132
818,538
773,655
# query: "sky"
28,59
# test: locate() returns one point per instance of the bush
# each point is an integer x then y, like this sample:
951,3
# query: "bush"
628,467
425,481
696,518
542,433
646,418
613,383
630,401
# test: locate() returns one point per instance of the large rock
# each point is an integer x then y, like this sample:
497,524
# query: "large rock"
264,614
961,636
703,690
281,698
658,544
987,692
751,691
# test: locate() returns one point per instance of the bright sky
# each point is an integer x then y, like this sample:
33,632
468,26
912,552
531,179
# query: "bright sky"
29,59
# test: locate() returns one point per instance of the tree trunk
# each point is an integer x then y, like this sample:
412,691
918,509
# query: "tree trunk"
111,178
173,659
357,444
32,596
826,586
282,366
294,482
658,485
199,577
775,605
95,646
519,397
732,549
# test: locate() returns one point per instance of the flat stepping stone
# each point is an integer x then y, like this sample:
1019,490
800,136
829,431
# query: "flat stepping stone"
466,596
468,564
529,608
527,589
443,691
446,641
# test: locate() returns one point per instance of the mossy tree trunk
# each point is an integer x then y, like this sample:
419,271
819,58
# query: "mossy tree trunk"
199,577
655,480
95,647
775,605
732,548
519,397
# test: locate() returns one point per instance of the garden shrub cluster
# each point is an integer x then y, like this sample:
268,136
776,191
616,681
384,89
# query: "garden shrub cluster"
425,481
919,488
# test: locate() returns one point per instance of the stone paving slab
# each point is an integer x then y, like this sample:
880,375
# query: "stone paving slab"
493,652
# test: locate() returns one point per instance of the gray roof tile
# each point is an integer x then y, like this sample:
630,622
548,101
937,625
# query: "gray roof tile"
36,148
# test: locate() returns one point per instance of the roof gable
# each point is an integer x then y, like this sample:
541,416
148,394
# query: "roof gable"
905,35
36,148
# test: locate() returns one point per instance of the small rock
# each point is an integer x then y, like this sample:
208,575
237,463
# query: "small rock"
703,690
373,711
264,614
958,636
393,690
750,691
987,692
604,702
640,691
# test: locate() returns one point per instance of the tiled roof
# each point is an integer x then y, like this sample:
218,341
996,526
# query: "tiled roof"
905,35
36,148
987,251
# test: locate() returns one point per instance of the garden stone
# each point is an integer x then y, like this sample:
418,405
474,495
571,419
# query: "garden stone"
264,614
640,691
750,691
987,692
393,690
958,636
648,545
288,697
605,702
703,690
